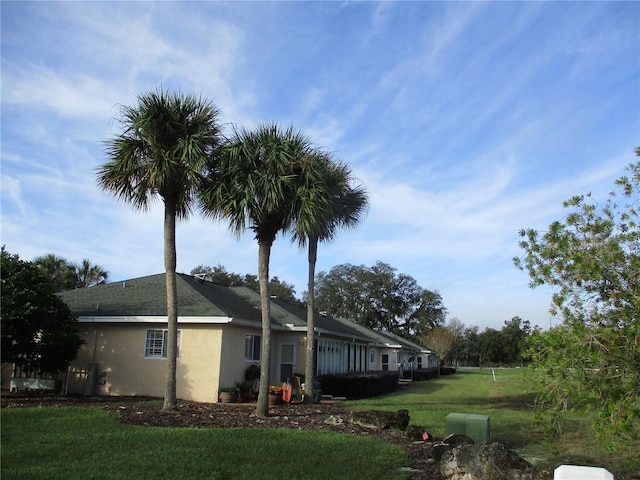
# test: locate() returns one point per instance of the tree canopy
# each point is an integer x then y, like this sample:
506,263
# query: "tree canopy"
377,297
39,333
66,274
592,259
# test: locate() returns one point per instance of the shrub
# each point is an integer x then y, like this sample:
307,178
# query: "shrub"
421,374
359,385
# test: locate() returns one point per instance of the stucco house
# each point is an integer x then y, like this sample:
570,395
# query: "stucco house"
123,325
388,351
411,355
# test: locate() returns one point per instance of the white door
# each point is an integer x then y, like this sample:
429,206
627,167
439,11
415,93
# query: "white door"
287,361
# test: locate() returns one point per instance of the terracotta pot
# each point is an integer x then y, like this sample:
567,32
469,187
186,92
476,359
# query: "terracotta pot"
275,399
227,397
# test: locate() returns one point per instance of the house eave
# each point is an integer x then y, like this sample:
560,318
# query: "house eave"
289,327
322,331
385,345
151,319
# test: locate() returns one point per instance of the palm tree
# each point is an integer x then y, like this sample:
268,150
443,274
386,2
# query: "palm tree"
88,275
325,207
166,142
58,269
254,185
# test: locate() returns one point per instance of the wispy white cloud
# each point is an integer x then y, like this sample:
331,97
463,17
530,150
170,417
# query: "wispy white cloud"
465,121
77,95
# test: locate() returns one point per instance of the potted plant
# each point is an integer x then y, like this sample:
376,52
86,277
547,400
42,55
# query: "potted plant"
228,394
252,374
244,391
275,395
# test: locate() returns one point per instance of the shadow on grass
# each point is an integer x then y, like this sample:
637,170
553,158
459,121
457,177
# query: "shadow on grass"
522,403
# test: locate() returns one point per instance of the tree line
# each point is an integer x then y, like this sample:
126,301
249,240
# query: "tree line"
459,345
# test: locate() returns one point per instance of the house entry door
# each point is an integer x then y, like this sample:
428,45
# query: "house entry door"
287,360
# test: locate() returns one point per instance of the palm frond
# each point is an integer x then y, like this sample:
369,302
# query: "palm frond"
166,145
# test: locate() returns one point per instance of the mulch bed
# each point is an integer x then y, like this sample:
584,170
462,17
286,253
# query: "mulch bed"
140,411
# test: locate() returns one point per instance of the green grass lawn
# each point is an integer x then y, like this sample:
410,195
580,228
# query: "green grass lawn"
509,403
84,442
87,443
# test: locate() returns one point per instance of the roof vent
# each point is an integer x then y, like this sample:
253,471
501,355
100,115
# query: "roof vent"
201,276
273,297
124,284
323,313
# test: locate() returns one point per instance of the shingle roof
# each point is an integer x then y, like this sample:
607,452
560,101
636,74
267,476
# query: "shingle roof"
279,315
147,296
284,313
375,336
404,342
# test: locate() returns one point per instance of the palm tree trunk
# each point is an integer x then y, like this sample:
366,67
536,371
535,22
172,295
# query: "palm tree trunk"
310,358
172,304
264,252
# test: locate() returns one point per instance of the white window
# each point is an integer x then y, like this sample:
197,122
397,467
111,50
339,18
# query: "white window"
419,358
156,344
252,345
373,357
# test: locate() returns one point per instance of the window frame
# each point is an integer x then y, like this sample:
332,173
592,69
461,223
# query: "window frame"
253,347
158,351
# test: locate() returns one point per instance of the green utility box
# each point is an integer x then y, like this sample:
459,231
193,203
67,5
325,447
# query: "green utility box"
476,427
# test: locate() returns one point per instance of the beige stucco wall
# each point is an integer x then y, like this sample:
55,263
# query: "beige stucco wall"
379,351
233,364
118,349
211,356
199,363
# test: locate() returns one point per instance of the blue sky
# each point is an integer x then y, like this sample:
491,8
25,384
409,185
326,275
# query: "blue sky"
466,121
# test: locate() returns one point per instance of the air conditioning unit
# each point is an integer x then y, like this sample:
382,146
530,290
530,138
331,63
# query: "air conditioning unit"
476,427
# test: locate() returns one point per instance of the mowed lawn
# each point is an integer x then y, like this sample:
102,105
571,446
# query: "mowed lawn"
509,402
88,443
